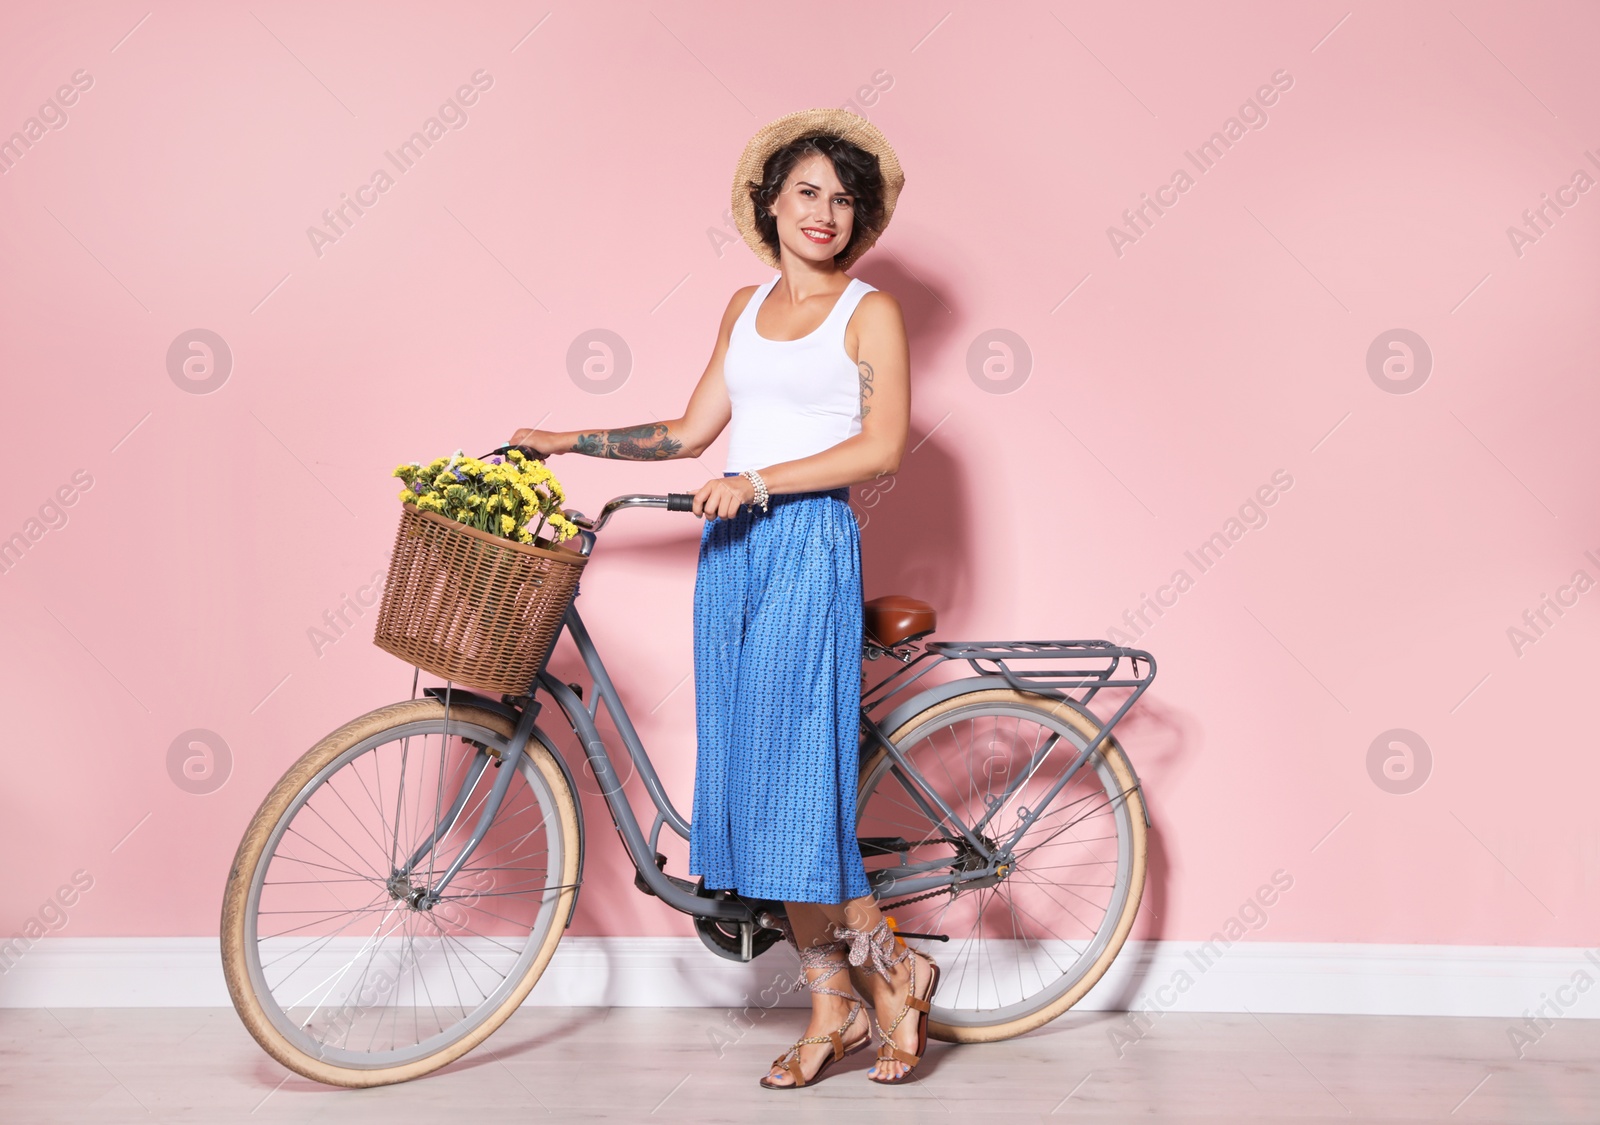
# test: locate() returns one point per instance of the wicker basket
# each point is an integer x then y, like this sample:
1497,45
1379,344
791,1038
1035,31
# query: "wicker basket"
472,607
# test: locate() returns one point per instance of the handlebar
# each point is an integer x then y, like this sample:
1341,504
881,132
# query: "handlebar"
672,501
588,528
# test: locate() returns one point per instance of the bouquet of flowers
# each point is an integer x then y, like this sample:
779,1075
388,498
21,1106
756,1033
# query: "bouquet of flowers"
510,497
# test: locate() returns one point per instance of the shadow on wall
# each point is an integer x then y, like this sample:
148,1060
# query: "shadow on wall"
916,525
915,532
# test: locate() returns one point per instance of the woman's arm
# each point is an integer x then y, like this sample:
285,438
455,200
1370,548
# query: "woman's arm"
705,417
883,360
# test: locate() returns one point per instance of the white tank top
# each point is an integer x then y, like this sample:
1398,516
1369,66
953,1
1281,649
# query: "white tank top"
791,398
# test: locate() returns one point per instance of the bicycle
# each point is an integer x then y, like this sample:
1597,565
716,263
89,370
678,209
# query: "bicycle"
401,889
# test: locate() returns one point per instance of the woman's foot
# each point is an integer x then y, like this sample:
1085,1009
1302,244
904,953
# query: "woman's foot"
899,983
898,1020
838,1022
815,1051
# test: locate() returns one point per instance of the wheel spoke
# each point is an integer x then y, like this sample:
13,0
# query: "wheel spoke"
1020,940
320,943
351,961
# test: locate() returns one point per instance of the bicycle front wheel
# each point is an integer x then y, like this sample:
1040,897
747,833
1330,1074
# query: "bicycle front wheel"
337,961
1027,942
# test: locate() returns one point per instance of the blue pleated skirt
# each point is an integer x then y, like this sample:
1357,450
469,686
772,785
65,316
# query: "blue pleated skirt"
777,671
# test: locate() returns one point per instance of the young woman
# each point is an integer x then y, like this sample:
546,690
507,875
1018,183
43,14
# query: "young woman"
811,369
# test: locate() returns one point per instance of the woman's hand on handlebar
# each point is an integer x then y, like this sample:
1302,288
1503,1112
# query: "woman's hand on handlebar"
720,497
546,443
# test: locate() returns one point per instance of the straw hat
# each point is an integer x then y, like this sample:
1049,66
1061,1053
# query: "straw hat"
840,122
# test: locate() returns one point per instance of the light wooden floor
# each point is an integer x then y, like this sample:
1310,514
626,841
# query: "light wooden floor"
636,1064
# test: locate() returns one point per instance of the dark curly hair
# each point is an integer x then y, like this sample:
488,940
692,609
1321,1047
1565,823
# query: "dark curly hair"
858,174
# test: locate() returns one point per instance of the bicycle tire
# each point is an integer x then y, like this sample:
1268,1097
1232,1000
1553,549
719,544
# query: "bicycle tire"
1115,774
263,1017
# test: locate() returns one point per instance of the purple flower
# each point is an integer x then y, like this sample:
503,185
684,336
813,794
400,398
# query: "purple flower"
497,460
416,486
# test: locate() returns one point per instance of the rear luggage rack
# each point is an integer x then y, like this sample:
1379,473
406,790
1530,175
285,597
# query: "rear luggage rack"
989,658
1086,666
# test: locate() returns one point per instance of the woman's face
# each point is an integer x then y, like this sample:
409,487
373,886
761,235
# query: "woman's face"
815,214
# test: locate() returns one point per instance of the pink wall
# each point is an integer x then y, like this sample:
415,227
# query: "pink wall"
1168,383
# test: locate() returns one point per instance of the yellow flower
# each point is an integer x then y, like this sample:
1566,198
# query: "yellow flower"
507,496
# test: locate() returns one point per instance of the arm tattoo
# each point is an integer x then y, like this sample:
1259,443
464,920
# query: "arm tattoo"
866,386
649,442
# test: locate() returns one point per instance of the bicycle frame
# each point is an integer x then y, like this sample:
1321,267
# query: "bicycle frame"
742,912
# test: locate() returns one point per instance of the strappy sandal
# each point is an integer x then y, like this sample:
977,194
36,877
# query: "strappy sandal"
816,957
878,951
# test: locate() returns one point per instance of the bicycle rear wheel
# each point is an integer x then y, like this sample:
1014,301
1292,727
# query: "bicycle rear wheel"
336,962
1027,944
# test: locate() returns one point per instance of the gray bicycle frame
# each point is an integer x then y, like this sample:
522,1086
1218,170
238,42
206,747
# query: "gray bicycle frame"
990,661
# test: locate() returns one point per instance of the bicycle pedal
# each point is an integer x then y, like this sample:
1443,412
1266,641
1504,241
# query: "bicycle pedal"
638,879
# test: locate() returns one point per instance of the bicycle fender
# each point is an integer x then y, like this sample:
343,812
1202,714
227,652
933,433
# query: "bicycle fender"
459,695
577,806
938,693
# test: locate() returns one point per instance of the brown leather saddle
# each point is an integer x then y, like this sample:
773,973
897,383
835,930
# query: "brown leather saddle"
895,619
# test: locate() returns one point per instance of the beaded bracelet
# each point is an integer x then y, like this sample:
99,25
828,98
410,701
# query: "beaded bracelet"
759,485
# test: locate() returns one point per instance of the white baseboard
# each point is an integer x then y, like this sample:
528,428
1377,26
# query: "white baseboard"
1413,980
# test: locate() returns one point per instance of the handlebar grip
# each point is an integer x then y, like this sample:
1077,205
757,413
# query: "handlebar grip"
680,501
529,453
